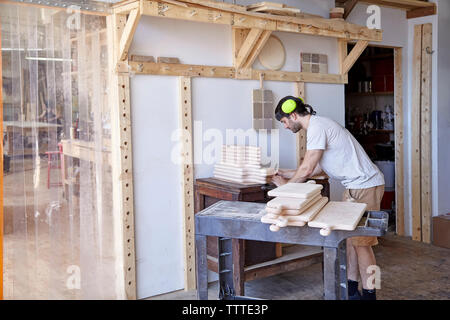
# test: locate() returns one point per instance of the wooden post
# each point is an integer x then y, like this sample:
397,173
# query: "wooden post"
1,170
121,163
425,143
301,136
342,54
415,135
188,183
399,156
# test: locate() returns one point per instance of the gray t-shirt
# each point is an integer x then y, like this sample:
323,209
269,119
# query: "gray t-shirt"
343,158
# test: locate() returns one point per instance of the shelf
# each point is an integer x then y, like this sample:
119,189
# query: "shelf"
387,93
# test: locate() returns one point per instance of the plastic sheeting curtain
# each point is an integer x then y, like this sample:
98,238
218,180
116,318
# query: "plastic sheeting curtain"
58,226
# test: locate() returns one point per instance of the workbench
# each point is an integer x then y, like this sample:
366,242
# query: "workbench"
230,220
254,259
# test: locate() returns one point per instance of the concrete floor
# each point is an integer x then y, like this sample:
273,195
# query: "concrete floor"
45,234
409,270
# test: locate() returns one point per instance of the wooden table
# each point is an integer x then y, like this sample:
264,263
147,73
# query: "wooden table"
25,128
82,150
253,259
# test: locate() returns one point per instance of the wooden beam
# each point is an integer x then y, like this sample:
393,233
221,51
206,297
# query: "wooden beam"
415,135
342,54
128,33
238,37
301,135
257,48
187,70
348,7
399,143
350,60
121,166
126,7
188,183
1,171
401,4
246,48
421,12
425,136
214,12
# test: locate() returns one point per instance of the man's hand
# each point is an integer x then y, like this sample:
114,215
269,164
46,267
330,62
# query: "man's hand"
286,173
278,180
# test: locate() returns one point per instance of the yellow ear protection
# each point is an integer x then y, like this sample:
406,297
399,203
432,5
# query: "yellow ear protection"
289,105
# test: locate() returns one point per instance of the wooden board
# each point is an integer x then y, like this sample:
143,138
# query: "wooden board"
280,221
415,135
298,204
296,190
425,135
239,180
399,144
338,215
244,170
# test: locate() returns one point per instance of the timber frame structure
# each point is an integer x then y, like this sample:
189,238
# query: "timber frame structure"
250,31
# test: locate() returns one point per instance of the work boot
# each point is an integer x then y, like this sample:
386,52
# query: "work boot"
369,294
353,292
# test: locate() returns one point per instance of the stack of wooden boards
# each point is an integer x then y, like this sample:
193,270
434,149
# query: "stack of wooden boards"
242,164
298,204
273,8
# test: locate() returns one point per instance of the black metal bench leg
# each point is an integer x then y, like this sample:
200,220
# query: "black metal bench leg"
331,273
202,267
342,253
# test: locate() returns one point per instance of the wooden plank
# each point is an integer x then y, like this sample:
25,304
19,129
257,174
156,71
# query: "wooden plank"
350,60
425,121
301,136
214,12
399,144
128,33
402,4
246,48
342,54
265,3
257,48
1,171
188,70
415,135
188,183
421,12
122,165
238,38
126,7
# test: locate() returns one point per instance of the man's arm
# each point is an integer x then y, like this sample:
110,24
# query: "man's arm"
308,166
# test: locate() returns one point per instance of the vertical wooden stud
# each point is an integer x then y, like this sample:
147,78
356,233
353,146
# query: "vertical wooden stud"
1,171
399,156
301,135
342,53
121,162
188,183
415,136
425,135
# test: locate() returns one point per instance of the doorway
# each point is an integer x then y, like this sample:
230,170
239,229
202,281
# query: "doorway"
373,114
